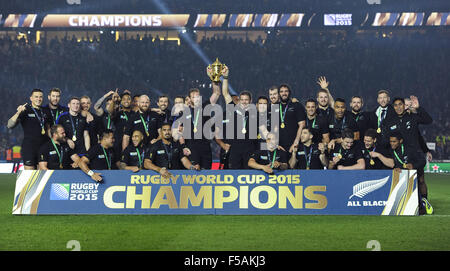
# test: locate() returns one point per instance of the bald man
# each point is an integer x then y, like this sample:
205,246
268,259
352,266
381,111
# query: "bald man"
145,120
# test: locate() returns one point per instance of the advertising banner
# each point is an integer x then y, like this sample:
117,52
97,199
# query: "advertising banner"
115,20
224,192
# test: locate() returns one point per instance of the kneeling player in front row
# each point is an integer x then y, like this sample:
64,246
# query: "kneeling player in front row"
308,155
272,158
133,155
56,153
167,154
346,155
375,156
100,156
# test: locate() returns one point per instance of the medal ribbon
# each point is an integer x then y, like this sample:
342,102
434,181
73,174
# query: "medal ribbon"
60,155
73,126
283,114
139,156
196,119
41,120
308,157
108,161
398,158
169,154
55,117
274,156
144,123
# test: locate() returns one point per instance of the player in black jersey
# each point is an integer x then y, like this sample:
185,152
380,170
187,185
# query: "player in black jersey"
76,127
145,120
133,155
100,157
167,154
53,108
35,123
56,153
318,124
346,155
375,156
270,159
308,155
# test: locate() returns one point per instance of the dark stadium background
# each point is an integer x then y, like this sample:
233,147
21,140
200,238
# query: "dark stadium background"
357,60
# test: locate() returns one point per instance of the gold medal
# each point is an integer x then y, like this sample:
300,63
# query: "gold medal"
379,130
43,131
195,130
60,166
282,125
147,133
244,131
404,165
339,155
259,136
74,138
307,168
372,162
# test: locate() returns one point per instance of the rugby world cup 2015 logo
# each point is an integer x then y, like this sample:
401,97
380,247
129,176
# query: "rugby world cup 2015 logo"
60,191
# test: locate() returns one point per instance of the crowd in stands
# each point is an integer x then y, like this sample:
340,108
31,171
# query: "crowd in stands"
405,63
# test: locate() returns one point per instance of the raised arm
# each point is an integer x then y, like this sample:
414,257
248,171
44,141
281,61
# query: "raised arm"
12,122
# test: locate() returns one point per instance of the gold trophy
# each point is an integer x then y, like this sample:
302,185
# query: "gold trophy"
215,70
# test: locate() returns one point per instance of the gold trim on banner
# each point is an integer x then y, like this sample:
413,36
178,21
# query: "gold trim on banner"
35,204
25,189
394,182
409,191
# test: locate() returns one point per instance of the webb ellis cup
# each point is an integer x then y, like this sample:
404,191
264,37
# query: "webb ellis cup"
215,70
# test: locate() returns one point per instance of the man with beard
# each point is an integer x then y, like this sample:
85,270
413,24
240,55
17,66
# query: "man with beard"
53,108
91,119
408,126
317,124
167,154
384,112
144,120
341,119
163,109
76,127
361,118
56,153
123,115
107,118
324,98
100,157
35,124
270,159
292,119
133,156
346,155
308,155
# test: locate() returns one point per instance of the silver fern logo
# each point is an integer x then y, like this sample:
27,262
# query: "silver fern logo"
366,187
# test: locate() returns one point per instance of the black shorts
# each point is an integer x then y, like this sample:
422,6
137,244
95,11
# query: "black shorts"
200,154
239,155
30,153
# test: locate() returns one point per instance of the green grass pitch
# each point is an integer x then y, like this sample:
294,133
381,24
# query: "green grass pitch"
227,233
